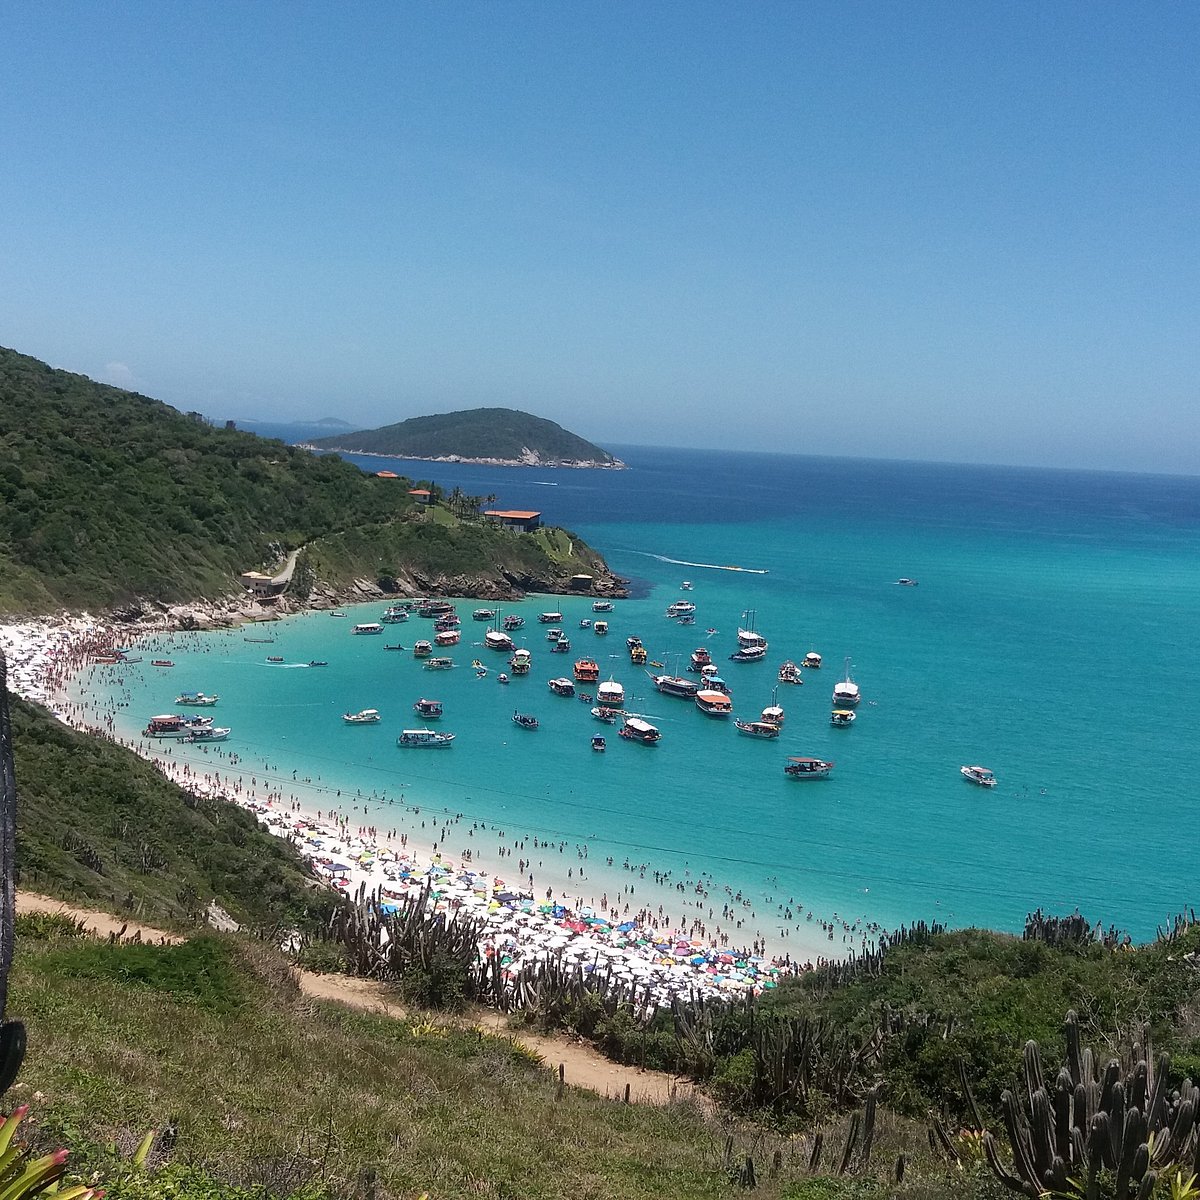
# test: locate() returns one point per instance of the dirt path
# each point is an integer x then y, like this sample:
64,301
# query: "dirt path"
582,1066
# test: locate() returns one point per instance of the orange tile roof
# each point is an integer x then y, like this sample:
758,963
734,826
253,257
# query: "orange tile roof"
516,515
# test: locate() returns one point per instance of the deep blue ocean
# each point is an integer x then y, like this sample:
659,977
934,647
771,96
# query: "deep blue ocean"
1050,638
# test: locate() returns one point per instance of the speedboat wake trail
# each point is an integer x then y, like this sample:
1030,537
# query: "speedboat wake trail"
683,562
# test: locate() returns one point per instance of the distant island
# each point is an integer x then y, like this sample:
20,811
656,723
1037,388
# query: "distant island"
495,436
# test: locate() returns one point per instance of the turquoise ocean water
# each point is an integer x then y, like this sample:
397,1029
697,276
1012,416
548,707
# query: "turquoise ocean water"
1049,638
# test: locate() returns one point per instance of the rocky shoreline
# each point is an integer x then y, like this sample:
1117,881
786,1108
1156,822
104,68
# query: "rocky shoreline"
240,608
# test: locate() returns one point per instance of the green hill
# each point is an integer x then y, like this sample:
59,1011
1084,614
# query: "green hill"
496,434
108,496
98,825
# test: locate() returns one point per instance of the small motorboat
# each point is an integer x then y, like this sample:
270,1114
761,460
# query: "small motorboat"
318,662
602,606
686,585
162,662
525,720
812,660
275,658
607,715
807,768
438,664
600,628
562,646
196,700
789,673
502,678
906,582
749,654
480,669
980,775
365,716
208,733
512,622
396,647
428,708
483,614
842,718
756,729
585,623
681,608
561,687
599,744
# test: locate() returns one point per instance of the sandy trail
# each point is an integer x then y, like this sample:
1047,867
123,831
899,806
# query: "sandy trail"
582,1065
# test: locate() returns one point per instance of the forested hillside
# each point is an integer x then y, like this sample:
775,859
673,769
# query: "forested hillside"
107,496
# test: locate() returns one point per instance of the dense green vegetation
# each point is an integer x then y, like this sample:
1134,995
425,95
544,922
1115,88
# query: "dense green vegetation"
108,496
98,825
503,433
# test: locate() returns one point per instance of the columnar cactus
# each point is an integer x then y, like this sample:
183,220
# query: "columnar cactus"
1095,1135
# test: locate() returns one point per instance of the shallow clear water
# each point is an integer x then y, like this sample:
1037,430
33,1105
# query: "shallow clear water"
1049,639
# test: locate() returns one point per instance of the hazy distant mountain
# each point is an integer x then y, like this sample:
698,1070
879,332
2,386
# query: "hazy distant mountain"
493,435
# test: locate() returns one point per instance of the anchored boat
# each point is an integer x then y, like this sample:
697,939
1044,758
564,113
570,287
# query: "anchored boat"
424,739
807,768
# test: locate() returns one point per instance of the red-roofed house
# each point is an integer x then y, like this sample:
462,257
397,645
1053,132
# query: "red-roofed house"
386,475
420,495
527,522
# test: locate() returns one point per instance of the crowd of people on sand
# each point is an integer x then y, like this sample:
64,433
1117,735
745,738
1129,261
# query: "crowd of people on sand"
714,939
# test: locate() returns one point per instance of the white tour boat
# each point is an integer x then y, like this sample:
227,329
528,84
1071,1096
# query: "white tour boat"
637,730
424,739
365,716
845,691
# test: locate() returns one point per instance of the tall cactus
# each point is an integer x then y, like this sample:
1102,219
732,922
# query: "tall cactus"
1092,1135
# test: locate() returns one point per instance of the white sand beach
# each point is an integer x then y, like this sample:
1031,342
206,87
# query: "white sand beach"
669,935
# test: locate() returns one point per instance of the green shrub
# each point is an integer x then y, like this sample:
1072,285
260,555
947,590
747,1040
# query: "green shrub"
49,926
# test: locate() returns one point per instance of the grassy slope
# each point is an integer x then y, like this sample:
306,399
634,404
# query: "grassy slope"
97,824
215,1033
269,1088
472,433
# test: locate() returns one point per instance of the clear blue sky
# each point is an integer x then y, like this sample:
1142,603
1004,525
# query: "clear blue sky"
962,231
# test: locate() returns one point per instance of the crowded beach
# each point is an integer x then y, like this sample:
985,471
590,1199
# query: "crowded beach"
668,934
